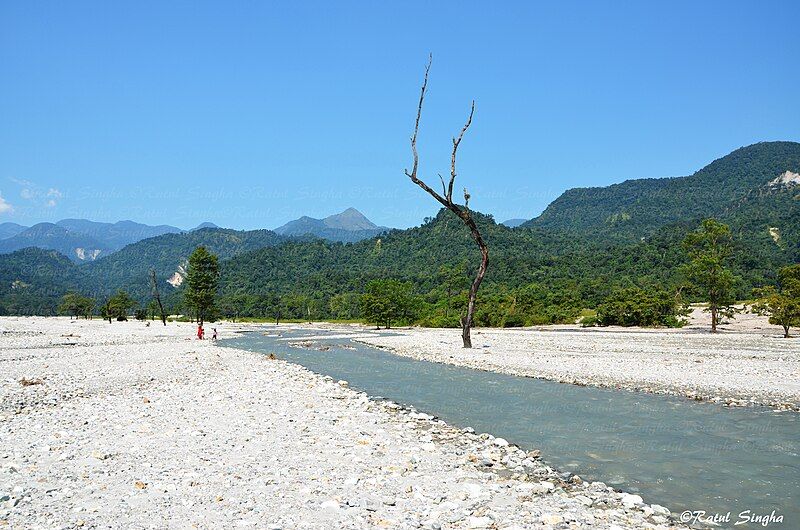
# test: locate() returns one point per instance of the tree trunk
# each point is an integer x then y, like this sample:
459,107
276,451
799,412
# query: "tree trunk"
714,319
785,331
466,323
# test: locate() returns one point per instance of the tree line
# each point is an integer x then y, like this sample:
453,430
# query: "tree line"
388,302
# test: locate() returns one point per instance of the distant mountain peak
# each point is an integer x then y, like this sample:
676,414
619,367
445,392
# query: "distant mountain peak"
80,239
9,229
347,226
513,223
350,219
206,224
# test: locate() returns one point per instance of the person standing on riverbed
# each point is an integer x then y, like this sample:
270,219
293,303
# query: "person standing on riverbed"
214,334
200,332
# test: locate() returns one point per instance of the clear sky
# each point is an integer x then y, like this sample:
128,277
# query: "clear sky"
249,114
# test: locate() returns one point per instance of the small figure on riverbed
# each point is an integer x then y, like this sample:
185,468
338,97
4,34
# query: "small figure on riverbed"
214,334
200,332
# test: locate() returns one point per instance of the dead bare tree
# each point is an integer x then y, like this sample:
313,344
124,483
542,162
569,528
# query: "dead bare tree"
446,199
157,295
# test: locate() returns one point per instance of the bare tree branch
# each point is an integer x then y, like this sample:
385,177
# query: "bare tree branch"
456,143
446,199
444,188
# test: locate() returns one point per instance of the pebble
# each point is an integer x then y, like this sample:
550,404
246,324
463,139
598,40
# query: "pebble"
329,505
629,501
479,522
269,444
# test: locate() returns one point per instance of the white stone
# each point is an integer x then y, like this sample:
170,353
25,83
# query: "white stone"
330,505
629,501
479,522
583,499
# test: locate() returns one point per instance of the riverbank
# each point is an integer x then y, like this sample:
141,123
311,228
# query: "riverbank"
748,363
127,425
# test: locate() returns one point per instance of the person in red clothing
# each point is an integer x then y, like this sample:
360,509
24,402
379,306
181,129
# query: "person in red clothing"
200,332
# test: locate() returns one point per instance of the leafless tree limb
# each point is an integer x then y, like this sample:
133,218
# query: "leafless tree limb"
446,199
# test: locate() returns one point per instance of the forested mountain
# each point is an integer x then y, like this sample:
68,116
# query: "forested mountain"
116,235
587,270
32,281
636,208
556,265
347,226
79,239
167,254
75,245
10,229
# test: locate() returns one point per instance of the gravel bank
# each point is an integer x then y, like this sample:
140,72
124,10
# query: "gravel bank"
736,367
127,426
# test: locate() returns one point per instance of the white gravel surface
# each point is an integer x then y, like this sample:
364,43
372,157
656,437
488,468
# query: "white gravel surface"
742,365
126,426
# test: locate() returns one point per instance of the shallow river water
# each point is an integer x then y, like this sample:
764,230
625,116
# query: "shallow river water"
671,451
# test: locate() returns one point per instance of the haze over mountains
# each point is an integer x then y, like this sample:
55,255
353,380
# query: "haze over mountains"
513,223
627,232
84,240
79,239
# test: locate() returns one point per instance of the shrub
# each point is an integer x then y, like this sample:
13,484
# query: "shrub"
590,321
635,306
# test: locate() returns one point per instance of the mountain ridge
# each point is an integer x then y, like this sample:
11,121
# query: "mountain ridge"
81,239
635,208
347,226
752,192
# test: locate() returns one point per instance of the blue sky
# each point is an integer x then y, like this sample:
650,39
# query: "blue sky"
249,114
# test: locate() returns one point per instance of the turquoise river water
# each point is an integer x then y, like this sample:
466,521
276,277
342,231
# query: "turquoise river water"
671,451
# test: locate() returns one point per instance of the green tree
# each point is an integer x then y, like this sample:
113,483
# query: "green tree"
634,306
345,306
387,301
709,248
152,310
202,281
234,305
454,280
782,304
75,304
119,305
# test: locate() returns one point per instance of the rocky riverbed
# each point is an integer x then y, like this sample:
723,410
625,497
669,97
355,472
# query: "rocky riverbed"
739,367
130,426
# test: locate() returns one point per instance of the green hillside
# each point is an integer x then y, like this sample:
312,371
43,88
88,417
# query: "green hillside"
570,257
636,208
33,280
129,267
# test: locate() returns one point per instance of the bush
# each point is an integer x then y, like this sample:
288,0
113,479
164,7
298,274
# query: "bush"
635,306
